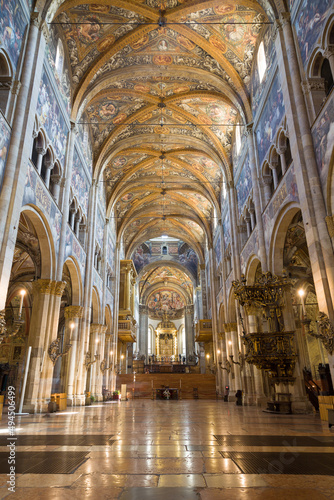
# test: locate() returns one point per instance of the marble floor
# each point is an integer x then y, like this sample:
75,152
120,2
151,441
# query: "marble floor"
163,450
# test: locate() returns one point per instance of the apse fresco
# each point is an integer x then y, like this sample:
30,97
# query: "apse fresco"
79,183
36,193
165,301
270,119
309,21
51,119
12,27
323,138
226,230
244,185
5,133
270,54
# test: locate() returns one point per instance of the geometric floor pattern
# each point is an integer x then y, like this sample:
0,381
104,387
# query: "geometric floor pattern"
170,450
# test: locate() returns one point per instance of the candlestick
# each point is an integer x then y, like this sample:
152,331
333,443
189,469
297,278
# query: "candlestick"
22,293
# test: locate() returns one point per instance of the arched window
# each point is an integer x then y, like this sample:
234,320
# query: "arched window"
326,74
59,63
261,61
6,81
164,250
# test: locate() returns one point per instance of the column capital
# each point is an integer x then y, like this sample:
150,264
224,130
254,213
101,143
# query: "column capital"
249,129
15,88
74,128
48,287
55,178
143,309
35,19
310,84
189,309
94,328
72,312
45,30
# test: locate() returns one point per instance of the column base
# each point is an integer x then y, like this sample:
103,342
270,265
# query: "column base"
255,400
36,406
98,397
79,400
301,405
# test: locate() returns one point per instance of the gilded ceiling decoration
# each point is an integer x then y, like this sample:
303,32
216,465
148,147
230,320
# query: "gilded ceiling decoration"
162,85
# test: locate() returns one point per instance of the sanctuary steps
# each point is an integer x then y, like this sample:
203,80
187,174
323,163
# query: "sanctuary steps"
206,384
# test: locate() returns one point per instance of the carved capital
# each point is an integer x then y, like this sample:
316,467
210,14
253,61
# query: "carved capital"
267,179
330,225
285,18
15,88
72,312
45,30
189,309
41,151
35,19
143,309
42,286
249,129
58,288
312,84
95,328
55,178
277,27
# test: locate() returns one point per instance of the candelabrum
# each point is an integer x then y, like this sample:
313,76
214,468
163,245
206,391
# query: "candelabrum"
241,361
8,331
55,352
325,330
88,359
227,367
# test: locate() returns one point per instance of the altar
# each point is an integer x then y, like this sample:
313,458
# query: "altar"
167,393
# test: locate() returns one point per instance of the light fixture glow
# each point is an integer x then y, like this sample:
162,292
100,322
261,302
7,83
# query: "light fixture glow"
230,342
208,355
164,236
72,325
301,293
218,352
23,292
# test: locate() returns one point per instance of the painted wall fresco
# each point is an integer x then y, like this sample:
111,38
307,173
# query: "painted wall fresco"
79,183
36,193
111,253
323,138
60,73
12,27
244,185
85,142
226,230
5,133
218,250
208,287
99,229
271,118
178,252
73,248
308,24
257,86
51,118
251,247
286,193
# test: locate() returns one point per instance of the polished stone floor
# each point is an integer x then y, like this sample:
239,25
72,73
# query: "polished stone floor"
173,450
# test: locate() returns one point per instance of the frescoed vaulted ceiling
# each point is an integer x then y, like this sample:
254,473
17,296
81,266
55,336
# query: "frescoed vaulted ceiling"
163,85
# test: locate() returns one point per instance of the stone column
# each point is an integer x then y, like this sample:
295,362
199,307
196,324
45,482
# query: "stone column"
65,199
40,153
203,292
48,166
234,230
97,388
143,331
281,151
189,329
85,323
19,150
43,326
56,186
235,354
256,198
72,314
259,397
